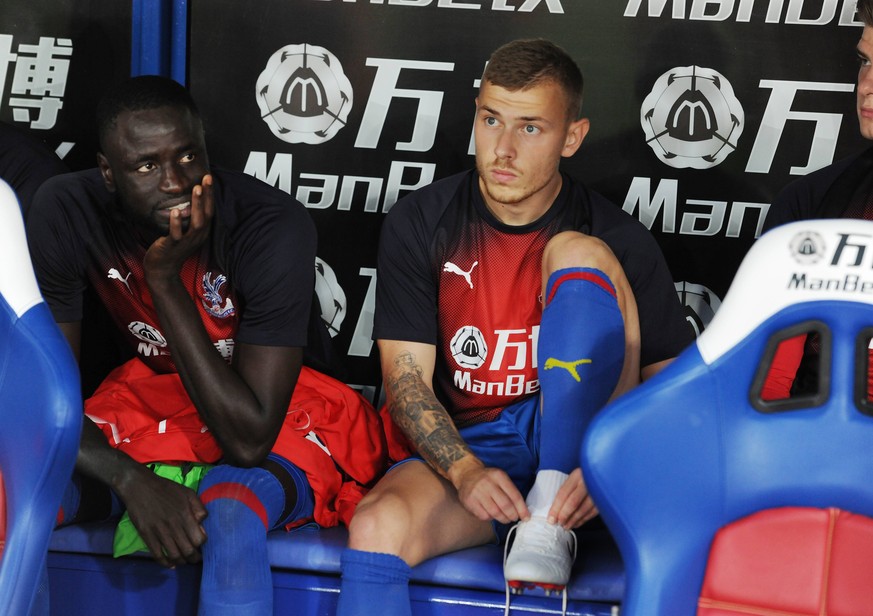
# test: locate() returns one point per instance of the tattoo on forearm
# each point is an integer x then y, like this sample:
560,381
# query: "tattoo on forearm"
420,415
406,361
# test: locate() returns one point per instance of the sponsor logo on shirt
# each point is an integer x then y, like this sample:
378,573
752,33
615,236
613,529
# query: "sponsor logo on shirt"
114,274
152,341
469,348
448,266
147,333
511,361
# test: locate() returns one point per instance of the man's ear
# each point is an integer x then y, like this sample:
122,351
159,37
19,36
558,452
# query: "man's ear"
575,136
106,172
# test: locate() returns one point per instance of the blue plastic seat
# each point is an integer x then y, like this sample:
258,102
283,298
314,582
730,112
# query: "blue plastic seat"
40,415
696,449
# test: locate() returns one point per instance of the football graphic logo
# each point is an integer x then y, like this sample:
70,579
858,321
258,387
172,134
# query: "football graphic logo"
303,94
700,304
692,118
807,247
469,348
331,297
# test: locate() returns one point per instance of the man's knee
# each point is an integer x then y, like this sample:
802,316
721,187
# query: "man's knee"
381,523
573,249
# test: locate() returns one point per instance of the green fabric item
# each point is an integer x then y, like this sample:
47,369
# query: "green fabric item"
127,539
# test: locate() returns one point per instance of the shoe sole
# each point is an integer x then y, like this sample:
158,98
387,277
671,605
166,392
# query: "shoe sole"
520,585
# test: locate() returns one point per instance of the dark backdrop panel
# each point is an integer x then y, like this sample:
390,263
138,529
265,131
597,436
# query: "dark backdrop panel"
390,100
56,59
57,56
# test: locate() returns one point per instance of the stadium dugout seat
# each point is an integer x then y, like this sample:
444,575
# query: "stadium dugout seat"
86,581
40,417
723,504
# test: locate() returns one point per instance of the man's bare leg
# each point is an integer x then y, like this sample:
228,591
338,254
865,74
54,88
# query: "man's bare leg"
412,514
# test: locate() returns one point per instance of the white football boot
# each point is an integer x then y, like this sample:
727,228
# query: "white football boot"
538,554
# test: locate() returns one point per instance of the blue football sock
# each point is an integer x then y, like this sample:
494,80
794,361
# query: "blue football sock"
580,356
243,504
373,584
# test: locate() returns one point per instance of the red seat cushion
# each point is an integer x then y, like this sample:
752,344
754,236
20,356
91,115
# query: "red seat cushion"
791,561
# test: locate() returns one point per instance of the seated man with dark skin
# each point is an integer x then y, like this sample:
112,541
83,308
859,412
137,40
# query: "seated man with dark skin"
209,276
